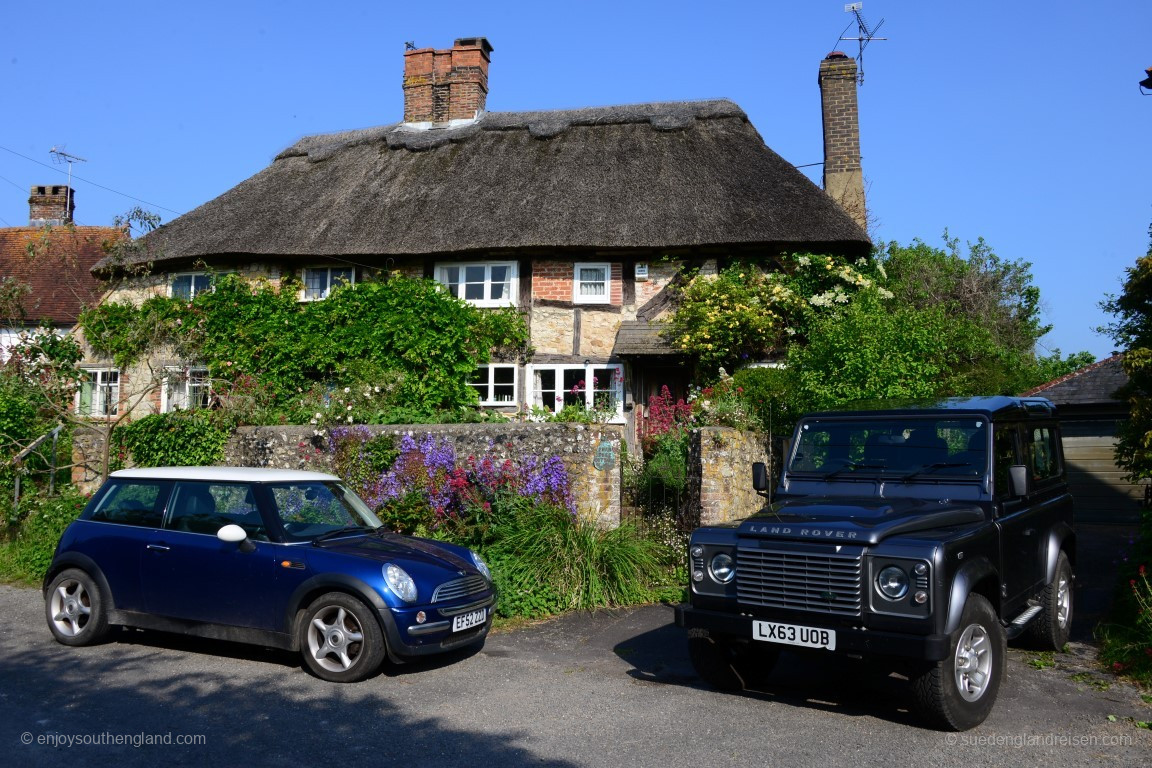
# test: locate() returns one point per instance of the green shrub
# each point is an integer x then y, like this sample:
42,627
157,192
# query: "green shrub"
33,530
1126,637
181,438
549,560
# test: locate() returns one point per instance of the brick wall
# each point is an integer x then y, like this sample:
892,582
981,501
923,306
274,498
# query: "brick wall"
555,281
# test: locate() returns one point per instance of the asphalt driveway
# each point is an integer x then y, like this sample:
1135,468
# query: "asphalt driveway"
612,688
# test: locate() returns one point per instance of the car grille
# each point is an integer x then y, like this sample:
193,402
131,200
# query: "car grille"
454,590
798,580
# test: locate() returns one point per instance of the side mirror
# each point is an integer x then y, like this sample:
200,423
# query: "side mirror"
233,533
1018,479
760,476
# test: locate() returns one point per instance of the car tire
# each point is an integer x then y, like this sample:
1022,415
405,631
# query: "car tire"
74,607
728,665
957,693
340,639
1050,628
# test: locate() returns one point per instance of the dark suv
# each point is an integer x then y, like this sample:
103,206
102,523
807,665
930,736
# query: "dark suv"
922,537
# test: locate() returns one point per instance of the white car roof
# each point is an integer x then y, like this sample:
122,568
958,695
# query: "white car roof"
225,474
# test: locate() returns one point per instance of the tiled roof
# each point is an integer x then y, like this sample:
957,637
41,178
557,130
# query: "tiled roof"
57,268
1092,384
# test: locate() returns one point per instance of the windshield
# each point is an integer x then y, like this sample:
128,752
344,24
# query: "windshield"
310,509
904,448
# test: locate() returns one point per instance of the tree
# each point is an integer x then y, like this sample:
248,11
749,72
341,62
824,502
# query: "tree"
1132,332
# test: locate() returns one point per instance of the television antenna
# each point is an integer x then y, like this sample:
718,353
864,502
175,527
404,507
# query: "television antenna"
865,35
60,156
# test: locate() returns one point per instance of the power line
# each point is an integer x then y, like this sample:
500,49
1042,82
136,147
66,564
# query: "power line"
86,181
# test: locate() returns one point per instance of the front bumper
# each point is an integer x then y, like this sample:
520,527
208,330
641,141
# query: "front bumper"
406,638
864,642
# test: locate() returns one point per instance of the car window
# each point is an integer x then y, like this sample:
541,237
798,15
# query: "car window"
208,507
1042,454
133,502
310,509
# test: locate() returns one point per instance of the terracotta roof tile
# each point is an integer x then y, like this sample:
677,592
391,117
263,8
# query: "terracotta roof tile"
57,268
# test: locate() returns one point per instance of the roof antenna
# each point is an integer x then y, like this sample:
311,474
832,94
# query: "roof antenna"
410,45
60,156
866,35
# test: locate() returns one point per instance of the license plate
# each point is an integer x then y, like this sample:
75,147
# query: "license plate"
790,634
469,620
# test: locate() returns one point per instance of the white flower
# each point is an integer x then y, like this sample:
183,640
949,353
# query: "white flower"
349,408
349,419
317,416
347,390
375,389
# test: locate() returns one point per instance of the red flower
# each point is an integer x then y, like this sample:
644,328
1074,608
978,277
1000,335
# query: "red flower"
1141,570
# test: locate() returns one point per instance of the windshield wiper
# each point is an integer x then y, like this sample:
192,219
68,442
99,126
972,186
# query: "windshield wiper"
853,466
937,465
345,531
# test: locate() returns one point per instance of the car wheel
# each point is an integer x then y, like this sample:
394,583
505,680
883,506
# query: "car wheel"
1050,628
958,692
728,665
340,639
75,609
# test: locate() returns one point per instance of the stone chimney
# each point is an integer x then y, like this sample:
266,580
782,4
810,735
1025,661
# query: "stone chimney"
443,87
51,206
843,179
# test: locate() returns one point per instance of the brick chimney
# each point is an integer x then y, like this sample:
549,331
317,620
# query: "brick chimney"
445,86
843,179
51,205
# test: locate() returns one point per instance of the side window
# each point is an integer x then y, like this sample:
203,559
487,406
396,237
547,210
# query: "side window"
207,507
139,503
1004,445
1043,458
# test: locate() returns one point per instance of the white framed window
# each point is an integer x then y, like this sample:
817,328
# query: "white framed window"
591,284
590,386
319,281
485,284
99,394
184,389
496,384
185,285
189,285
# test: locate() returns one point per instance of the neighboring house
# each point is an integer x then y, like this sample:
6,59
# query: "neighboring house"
51,261
582,219
1090,413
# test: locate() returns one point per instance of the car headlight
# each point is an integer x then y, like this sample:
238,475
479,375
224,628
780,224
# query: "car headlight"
481,565
892,582
399,582
722,568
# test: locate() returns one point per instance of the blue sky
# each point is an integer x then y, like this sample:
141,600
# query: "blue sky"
1019,122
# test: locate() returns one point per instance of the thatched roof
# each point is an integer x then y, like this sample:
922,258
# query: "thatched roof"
657,176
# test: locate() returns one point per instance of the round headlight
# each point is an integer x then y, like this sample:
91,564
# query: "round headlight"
697,551
399,582
892,582
481,566
722,568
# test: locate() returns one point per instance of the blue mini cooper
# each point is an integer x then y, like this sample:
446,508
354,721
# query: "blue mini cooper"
278,558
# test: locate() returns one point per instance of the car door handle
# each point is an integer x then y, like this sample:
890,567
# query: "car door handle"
159,547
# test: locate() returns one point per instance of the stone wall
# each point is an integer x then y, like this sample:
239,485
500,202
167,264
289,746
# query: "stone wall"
591,453
720,474
719,462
